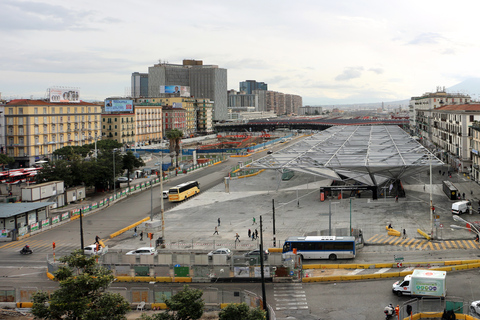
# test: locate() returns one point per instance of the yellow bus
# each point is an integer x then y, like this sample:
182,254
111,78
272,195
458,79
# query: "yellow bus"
183,191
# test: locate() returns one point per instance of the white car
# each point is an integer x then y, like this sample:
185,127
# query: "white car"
145,251
220,251
165,194
92,250
124,179
475,307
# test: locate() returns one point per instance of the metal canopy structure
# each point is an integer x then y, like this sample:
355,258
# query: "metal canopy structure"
370,155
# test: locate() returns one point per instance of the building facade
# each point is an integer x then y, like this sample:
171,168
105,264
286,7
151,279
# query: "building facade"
310,111
174,118
36,128
139,85
239,101
204,110
148,123
248,86
205,82
119,127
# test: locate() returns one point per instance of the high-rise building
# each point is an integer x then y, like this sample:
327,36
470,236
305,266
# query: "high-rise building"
139,85
205,82
249,85
36,128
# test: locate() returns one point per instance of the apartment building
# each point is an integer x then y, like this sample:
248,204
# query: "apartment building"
452,133
204,110
119,127
36,128
148,123
174,118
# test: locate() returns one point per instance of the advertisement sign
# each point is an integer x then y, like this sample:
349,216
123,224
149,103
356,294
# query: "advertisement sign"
3,233
64,215
119,105
45,223
258,272
64,95
34,226
56,219
177,105
241,272
184,91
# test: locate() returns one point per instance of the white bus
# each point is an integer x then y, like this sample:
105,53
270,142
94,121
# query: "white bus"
323,247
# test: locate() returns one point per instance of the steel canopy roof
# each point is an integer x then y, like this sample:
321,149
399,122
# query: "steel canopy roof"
368,154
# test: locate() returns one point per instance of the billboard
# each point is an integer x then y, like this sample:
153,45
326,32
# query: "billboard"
64,95
184,91
177,105
118,105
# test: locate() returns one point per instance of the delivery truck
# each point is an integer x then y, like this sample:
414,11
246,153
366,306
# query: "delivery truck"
422,283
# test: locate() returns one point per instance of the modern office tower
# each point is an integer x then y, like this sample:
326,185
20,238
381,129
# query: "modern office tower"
36,128
205,82
239,101
249,86
139,85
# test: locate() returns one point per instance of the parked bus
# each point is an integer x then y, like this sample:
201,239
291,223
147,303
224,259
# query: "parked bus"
16,176
450,190
183,191
323,247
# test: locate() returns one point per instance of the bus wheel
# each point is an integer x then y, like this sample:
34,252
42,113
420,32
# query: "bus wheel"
301,257
332,257
184,198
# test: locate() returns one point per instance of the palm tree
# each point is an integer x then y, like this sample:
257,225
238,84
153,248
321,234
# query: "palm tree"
174,137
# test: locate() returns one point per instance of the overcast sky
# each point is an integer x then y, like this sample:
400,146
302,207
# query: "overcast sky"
328,52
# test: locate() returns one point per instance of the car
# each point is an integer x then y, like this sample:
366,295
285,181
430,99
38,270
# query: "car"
255,253
269,152
123,179
165,194
220,251
92,250
144,251
475,307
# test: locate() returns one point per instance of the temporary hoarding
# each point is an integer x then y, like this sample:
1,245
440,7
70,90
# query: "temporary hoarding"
64,95
118,105
183,90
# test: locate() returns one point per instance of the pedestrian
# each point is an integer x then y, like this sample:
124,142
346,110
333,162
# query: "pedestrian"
219,222
253,221
253,236
471,192
141,235
423,187
256,234
97,239
443,172
237,237
439,172
476,238
404,234
135,232
396,198
463,194
390,226
249,233
216,231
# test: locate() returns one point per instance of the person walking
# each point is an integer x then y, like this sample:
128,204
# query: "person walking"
253,236
404,234
249,233
141,235
237,237
253,221
463,194
219,222
256,234
135,232
216,231
396,198
97,239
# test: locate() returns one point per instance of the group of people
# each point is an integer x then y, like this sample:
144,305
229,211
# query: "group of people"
253,234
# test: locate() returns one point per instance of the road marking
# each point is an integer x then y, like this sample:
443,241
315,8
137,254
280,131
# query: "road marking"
383,270
355,271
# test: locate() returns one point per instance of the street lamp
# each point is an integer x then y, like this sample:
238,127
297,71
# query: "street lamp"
458,219
114,187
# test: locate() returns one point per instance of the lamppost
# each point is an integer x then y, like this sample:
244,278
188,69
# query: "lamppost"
458,219
114,187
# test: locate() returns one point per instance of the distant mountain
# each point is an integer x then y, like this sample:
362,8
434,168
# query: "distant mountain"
470,86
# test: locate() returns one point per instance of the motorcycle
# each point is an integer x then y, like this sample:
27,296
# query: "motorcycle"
26,251
389,311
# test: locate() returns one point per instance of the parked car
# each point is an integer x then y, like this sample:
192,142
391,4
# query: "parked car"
92,250
124,179
165,194
220,251
475,307
144,251
269,152
256,253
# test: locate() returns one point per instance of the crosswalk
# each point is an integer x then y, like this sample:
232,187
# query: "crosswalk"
41,245
289,296
422,244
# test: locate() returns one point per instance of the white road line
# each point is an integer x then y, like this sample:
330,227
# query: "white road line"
289,295
298,299
383,270
355,271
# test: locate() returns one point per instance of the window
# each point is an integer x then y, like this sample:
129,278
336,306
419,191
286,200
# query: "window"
61,110
20,121
20,110
10,110
35,110
21,152
44,110
20,130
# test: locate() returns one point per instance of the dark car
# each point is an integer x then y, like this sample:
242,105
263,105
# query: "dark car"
255,253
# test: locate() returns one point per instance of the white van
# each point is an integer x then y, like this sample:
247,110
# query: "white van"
461,207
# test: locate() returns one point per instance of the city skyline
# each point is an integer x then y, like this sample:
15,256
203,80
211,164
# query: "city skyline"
328,53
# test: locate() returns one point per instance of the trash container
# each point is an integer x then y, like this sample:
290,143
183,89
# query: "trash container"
159,241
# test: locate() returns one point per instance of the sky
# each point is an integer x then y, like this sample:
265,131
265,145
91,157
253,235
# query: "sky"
328,52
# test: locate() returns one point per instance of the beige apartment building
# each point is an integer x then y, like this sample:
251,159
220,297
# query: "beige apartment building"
34,129
119,127
148,122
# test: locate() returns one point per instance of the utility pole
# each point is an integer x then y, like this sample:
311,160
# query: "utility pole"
262,273
274,237
81,231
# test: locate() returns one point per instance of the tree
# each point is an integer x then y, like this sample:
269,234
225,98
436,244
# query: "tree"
174,136
240,311
4,160
130,162
185,305
82,293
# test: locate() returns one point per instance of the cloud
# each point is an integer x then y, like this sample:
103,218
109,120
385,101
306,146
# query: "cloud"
376,70
350,73
427,38
448,51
